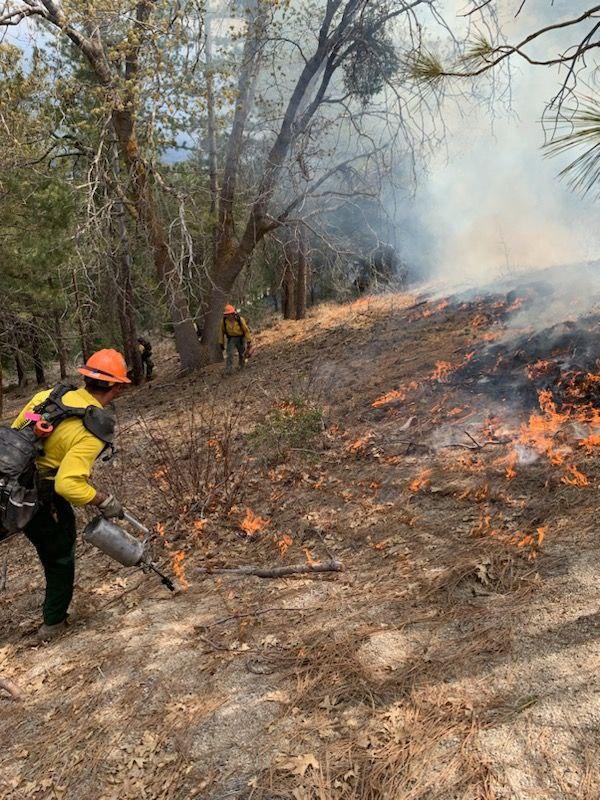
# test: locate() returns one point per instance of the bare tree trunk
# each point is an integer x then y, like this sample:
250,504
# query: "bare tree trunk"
86,349
123,272
21,376
124,287
300,287
36,355
186,340
211,135
230,256
58,335
287,286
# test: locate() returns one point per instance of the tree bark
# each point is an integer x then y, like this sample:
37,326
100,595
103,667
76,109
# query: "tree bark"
123,279
186,340
21,376
58,335
36,355
86,349
123,272
287,287
300,288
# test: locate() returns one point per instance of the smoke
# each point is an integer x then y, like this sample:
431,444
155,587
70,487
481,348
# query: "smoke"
490,204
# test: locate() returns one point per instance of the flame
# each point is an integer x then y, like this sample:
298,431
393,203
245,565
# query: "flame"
200,524
541,534
593,440
429,311
421,481
515,305
309,558
511,472
540,368
361,442
484,525
478,321
284,543
442,371
252,523
176,556
177,559
573,477
397,395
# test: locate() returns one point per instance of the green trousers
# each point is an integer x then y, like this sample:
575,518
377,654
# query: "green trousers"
52,532
235,343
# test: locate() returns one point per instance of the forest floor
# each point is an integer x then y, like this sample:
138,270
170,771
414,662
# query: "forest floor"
456,655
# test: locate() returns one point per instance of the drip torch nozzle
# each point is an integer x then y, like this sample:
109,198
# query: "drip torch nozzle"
163,578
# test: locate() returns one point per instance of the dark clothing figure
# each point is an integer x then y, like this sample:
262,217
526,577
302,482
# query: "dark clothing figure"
235,343
146,354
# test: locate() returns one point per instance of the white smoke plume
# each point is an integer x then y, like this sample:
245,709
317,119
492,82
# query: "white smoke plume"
491,204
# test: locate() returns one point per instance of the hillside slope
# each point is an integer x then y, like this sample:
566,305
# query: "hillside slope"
454,656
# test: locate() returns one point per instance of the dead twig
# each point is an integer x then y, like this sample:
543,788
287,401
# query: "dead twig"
475,442
477,446
255,614
273,572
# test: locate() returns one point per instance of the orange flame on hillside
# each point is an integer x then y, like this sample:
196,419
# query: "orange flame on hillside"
429,311
593,440
252,523
573,477
395,394
478,321
284,543
421,481
310,560
511,472
442,371
359,443
177,559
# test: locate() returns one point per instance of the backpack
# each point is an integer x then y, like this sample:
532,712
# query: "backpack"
19,449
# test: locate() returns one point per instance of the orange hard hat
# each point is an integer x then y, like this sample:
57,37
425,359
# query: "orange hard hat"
229,309
106,365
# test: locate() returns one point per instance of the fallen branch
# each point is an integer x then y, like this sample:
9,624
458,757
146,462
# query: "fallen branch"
11,688
478,446
273,572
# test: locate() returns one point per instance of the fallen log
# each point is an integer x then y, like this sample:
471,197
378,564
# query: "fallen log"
11,689
273,572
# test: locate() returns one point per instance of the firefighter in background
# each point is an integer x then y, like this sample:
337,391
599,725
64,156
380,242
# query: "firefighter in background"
145,349
235,330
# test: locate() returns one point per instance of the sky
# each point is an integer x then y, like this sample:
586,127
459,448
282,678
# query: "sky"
490,202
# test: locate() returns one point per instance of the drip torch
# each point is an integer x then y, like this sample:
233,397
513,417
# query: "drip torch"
121,546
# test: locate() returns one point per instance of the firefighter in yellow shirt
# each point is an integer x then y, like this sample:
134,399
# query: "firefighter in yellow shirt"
235,330
65,468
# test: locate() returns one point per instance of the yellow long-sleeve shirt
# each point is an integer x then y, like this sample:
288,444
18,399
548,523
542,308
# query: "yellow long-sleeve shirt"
231,327
70,451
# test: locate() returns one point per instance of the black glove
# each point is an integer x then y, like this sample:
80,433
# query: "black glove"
111,508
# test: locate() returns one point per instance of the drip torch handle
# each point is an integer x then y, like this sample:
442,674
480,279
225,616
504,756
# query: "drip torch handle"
135,522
